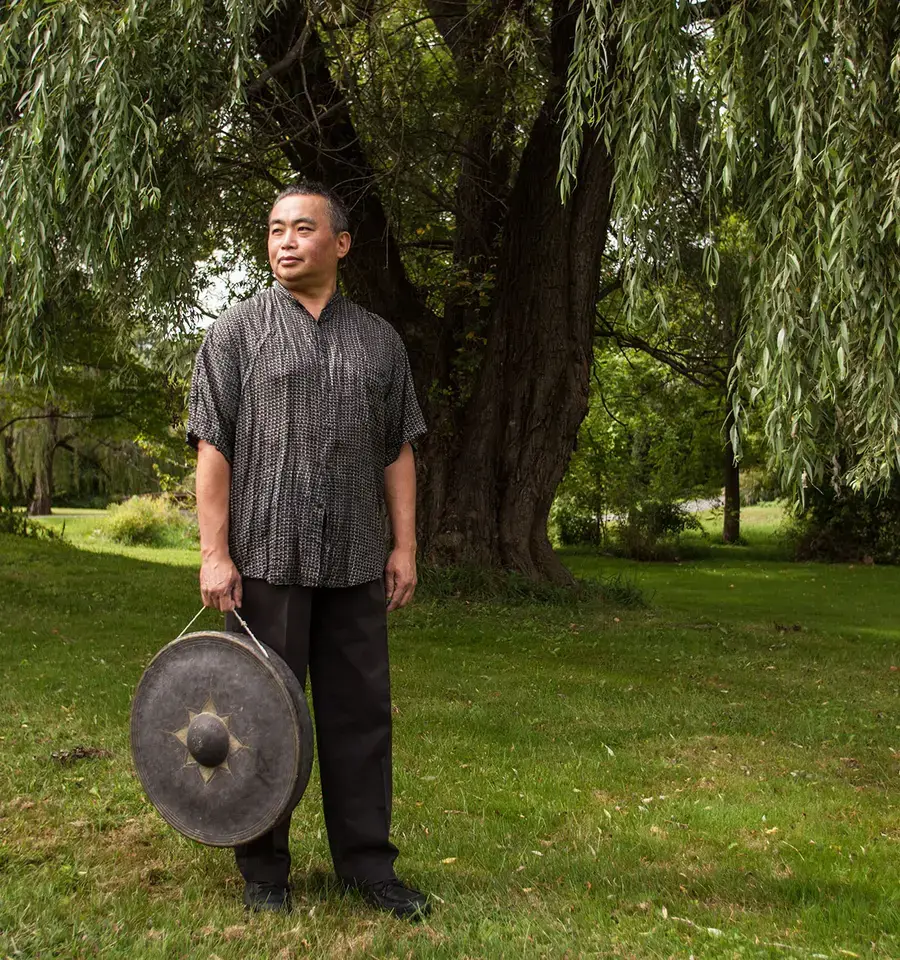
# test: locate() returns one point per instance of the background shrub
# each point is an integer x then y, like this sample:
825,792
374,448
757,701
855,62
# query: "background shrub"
15,520
848,526
572,523
647,530
652,530
153,521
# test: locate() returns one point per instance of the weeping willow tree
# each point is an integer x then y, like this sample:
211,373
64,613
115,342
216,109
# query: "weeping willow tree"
83,441
139,137
80,435
47,458
108,136
799,104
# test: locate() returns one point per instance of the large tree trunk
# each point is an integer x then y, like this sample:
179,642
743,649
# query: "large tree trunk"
532,394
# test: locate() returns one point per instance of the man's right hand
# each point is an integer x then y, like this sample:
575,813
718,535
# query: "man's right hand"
220,583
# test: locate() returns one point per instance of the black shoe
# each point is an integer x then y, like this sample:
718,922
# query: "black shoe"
393,896
266,896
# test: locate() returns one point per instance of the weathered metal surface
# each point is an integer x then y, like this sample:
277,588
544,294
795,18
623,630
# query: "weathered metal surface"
221,737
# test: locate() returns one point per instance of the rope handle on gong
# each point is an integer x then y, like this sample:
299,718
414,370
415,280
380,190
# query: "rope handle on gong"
242,622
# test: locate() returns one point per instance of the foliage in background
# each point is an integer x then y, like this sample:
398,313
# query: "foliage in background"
651,439
848,525
109,424
698,334
652,530
16,521
798,116
759,485
103,152
153,521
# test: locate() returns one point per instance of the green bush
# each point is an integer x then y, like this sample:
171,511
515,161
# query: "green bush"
652,530
848,526
649,529
153,521
571,524
15,520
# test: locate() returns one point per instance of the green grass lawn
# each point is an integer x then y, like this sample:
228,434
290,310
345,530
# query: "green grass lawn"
713,775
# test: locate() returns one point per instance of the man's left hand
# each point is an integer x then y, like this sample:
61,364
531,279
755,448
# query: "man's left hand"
400,577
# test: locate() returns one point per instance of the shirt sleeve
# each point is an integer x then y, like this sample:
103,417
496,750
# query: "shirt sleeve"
405,422
215,393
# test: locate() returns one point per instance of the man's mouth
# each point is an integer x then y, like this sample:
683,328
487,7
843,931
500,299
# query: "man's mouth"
289,260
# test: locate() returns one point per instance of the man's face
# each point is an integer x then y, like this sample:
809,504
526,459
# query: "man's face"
303,250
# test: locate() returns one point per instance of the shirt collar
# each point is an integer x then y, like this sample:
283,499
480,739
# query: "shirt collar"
286,294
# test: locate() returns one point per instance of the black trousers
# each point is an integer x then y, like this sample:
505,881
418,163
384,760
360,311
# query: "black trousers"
340,635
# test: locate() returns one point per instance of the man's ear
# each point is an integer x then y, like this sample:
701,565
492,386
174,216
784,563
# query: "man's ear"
343,241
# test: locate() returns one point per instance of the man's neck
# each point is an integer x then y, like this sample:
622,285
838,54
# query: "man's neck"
314,299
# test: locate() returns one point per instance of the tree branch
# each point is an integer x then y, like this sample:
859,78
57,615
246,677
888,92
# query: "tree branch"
86,456
700,371
609,412
285,63
62,416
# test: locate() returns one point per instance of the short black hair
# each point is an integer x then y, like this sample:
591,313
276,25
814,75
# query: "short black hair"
337,209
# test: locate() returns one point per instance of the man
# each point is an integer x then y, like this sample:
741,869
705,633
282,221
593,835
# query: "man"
303,413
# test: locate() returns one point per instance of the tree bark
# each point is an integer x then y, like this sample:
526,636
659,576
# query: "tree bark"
532,394
480,211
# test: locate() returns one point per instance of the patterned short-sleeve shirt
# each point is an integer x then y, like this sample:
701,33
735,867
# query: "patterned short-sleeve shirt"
308,413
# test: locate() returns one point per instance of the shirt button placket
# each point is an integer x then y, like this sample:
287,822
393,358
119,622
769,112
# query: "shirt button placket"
322,461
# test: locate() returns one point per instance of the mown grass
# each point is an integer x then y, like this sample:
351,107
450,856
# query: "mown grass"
714,774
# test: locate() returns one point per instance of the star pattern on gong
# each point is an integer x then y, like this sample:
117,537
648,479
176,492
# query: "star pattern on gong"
234,745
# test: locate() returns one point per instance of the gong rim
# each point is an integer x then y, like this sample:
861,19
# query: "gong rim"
292,701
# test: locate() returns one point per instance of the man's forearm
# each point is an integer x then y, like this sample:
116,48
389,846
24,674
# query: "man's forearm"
213,487
400,497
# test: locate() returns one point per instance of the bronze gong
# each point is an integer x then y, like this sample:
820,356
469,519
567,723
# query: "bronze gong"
221,737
